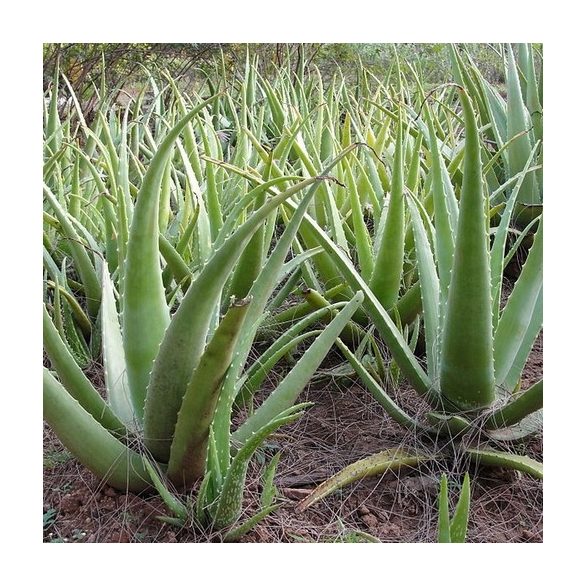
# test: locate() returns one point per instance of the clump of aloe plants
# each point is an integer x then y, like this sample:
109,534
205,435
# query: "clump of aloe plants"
475,350
177,230
173,364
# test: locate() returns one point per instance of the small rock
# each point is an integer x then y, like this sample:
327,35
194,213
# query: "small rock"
391,530
171,536
363,511
370,521
69,503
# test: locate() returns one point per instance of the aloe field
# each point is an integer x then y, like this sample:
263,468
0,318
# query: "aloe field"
286,300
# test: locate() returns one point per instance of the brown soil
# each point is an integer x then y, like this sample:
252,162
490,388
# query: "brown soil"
344,425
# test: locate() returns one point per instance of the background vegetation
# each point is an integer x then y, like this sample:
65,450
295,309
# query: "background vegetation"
81,62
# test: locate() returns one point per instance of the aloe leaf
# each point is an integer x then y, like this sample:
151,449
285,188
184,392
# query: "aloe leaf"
203,221
178,267
362,236
145,313
497,109
444,530
189,134
64,323
467,369
508,460
75,381
387,272
529,425
458,524
89,441
521,319
235,534
83,264
189,446
445,220
499,246
269,491
532,97
250,262
290,388
409,305
447,424
463,78
388,460
519,150
202,501
229,504
61,287
521,406
54,129
430,292
113,355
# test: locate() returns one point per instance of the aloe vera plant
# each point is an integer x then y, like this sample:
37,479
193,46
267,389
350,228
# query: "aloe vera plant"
169,388
475,350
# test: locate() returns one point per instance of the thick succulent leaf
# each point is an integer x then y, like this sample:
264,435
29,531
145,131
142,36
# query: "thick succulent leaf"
83,264
269,491
189,445
521,319
362,236
521,406
445,220
497,257
89,442
508,460
467,369
377,464
235,534
444,530
430,292
529,425
75,381
114,359
388,262
145,313
518,125
229,504
458,525
447,424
